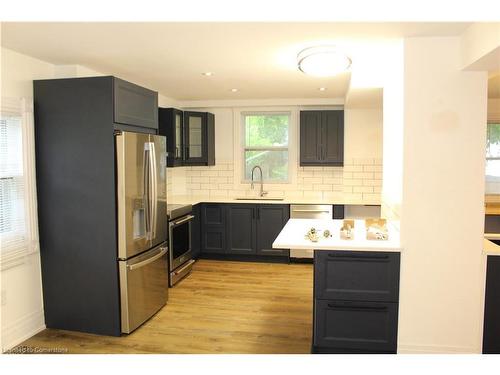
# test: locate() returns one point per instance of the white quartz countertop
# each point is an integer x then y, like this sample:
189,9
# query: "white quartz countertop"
188,199
292,236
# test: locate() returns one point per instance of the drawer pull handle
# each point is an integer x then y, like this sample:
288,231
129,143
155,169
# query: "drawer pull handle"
358,256
336,306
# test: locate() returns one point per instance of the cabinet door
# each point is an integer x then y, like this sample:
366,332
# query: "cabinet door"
213,229
332,138
491,335
195,138
170,124
241,228
344,326
271,218
356,275
135,105
310,137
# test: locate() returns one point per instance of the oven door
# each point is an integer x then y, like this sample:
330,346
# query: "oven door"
180,241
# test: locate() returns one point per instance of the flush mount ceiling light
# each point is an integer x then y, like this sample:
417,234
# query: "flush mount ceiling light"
322,89
208,74
323,61
234,90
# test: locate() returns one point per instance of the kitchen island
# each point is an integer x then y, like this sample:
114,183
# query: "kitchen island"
356,286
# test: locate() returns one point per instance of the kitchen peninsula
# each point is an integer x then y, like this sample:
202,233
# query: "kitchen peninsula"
356,286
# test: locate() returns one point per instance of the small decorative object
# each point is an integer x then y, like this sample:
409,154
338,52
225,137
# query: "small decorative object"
326,233
376,229
346,232
312,235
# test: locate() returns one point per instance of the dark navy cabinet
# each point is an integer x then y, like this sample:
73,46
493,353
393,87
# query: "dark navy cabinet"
243,229
135,105
75,120
190,136
241,235
213,228
322,138
171,125
271,218
356,276
491,331
356,295
355,326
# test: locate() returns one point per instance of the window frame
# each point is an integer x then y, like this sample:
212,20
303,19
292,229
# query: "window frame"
488,124
23,108
244,147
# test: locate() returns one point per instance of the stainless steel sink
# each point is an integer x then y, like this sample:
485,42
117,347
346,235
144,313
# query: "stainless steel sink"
258,199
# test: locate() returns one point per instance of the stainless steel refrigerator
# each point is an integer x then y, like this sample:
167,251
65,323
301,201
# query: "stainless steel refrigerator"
142,226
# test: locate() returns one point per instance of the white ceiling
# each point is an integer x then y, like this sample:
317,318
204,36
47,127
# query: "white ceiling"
256,58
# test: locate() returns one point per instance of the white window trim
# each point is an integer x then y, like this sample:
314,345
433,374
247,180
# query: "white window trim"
24,108
239,146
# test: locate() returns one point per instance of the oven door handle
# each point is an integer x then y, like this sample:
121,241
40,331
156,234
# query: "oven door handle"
182,221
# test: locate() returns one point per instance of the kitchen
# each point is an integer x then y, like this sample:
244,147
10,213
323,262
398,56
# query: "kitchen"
242,288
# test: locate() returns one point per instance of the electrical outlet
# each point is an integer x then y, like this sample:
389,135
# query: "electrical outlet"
3,298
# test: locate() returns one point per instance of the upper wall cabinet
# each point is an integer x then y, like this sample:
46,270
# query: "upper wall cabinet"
322,138
190,136
135,105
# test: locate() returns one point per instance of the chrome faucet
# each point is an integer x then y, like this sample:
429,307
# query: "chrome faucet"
262,192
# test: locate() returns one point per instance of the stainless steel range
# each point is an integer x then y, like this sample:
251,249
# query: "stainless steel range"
179,237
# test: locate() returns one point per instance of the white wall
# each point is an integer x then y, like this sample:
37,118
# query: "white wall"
363,133
442,270
22,306
393,128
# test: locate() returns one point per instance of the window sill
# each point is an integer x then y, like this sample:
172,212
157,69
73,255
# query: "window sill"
17,258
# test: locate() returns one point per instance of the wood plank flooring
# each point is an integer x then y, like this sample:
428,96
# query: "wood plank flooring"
222,307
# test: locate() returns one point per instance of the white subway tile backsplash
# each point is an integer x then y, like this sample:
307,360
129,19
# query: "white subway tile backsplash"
359,180
353,168
366,175
312,180
372,168
362,189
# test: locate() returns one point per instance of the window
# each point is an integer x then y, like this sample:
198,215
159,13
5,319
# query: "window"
17,191
266,145
493,153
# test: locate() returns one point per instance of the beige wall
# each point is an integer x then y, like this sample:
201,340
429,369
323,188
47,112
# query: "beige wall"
22,309
442,269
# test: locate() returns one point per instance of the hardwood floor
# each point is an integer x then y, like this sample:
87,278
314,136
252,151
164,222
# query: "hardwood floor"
222,307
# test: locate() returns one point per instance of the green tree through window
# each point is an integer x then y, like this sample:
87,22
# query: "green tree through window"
266,144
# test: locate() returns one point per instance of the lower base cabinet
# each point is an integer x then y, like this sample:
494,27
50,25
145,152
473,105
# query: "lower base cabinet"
491,331
356,304
242,230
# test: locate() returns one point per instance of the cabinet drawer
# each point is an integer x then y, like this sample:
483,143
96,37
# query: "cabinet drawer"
356,326
356,276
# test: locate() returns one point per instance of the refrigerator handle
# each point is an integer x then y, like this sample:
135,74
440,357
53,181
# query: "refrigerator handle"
146,180
132,267
154,190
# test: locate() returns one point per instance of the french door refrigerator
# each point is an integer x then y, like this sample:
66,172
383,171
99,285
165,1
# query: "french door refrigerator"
142,226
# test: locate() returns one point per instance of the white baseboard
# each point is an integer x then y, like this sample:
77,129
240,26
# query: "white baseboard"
436,349
22,329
